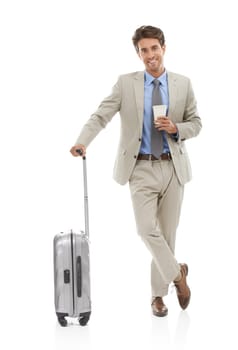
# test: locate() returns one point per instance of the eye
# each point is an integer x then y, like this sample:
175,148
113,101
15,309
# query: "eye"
143,50
155,48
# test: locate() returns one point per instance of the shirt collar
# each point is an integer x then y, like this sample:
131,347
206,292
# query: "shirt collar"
149,78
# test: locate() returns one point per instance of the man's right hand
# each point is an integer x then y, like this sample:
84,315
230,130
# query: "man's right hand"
74,149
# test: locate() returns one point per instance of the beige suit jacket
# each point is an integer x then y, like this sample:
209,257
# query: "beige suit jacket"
127,98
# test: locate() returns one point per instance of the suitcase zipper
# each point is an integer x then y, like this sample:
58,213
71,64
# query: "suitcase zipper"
72,260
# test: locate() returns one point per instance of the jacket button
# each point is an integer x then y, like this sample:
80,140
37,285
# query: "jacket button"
139,139
135,157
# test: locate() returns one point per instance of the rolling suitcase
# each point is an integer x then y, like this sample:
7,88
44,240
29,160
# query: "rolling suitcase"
72,270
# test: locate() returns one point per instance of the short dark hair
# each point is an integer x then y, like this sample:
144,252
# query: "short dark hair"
148,32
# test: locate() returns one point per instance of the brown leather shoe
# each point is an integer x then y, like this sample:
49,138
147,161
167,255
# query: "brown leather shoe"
158,307
183,291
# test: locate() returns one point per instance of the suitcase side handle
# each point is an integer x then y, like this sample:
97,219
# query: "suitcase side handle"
79,276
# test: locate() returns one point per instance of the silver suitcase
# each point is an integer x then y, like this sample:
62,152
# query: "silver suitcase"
72,270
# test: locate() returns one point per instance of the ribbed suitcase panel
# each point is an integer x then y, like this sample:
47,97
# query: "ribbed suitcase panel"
63,274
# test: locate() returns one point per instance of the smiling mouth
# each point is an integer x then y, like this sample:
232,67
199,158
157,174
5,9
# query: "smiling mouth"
152,62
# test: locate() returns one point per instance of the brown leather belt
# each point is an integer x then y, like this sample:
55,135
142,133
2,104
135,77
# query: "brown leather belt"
164,156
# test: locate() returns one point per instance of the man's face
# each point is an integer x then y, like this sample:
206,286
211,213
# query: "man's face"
152,55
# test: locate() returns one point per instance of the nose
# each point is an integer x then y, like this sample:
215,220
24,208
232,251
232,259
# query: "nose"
150,54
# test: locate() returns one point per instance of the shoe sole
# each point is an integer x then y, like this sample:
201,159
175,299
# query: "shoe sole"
185,266
160,315
186,269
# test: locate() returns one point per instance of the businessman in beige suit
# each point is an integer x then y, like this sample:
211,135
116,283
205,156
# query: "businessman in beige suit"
156,181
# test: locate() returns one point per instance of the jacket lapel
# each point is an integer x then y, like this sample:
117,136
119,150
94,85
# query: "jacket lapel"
173,90
139,96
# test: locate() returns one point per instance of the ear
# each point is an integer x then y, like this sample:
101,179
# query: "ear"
164,48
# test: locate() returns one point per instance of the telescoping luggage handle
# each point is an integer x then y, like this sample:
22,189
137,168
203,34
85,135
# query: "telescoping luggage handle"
85,193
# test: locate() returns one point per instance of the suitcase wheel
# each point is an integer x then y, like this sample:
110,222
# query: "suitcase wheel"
62,321
84,318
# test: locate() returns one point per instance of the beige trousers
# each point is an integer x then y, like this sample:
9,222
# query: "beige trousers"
157,197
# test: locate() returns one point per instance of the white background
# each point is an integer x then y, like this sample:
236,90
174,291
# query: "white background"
51,54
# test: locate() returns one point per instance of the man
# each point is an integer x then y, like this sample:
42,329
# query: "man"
152,155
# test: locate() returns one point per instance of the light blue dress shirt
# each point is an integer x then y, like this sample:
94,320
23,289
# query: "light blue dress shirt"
148,111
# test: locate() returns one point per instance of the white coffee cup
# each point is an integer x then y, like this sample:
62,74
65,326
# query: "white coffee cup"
159,110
